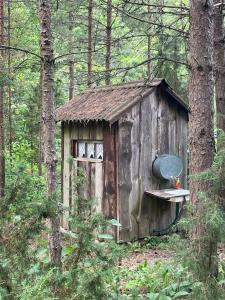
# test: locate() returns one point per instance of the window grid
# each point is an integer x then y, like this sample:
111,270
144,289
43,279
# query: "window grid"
87,149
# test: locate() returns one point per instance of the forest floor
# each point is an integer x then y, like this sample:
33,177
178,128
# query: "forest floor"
149,270
149,255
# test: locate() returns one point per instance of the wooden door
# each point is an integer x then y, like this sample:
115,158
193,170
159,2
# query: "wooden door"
93,185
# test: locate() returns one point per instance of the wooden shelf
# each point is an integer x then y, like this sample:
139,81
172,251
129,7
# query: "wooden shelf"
172,195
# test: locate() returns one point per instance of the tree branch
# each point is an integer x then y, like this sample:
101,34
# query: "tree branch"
148,22
125,69
76,53
156,5
3,47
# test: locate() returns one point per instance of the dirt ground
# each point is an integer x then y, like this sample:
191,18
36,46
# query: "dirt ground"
151,256
133,259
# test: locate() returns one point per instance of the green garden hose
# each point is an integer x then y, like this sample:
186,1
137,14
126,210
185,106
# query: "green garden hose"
177,217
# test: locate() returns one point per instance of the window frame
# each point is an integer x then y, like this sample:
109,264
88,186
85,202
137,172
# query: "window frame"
75,150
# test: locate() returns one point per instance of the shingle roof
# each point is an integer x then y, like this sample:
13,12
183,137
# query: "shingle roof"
108,103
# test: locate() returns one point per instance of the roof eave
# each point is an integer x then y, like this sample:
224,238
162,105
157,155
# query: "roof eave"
175,96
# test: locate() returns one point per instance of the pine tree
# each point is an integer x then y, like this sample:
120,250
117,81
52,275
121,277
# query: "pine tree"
201,118
49,123
2,142
89,46
71,58
108,43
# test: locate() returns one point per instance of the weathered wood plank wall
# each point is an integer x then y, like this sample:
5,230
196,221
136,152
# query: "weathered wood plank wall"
94,182
152,127
110,170
128,173
90,131
66,172
101,177
77,131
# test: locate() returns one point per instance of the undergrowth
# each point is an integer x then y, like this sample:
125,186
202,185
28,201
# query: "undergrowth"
91,259
199,252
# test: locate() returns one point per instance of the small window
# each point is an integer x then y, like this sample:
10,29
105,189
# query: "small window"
90,150
99,150
81,149
87,149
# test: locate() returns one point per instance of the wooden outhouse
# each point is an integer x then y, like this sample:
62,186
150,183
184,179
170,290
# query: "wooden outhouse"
115,133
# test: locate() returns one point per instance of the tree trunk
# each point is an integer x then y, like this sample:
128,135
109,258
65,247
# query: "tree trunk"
2,142
219,64
160,45
149,68
72,79
9,84
175,79
201,115
90,33
49,124
40,142
108,43
71,58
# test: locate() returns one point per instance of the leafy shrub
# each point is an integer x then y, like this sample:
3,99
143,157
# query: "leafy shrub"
38,288
21,212
158,281
200,255
91,251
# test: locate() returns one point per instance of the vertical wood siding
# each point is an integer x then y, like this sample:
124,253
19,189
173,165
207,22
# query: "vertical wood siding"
93,186
97,183
90,131
66,172
154,126
110,170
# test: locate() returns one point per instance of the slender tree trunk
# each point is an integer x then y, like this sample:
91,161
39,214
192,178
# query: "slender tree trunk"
49,123
175,79
108,43
149,68
71,58
201,116
90,36
160,63
72,79
9,84
219,64
40,144
2,142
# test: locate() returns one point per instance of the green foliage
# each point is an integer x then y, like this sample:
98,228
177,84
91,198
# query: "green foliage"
160,280
90,257
21,212
38,288
157,242
199,251
90,253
